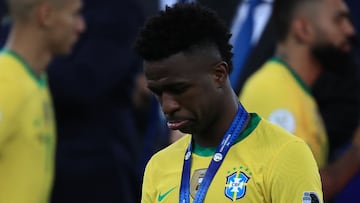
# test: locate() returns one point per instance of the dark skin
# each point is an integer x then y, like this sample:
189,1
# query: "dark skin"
195,93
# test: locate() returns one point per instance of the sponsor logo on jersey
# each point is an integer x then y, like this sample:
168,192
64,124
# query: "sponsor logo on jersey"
196,180
162,196
236,182
310,197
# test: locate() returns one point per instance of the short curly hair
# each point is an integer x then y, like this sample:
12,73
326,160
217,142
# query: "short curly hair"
180,28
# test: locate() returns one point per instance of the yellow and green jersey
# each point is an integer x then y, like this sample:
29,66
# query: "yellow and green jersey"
27,133
278,94
265,165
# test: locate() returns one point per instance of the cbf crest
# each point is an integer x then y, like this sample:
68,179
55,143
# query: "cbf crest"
236,183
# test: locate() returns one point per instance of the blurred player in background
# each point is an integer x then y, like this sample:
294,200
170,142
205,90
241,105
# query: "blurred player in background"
40,29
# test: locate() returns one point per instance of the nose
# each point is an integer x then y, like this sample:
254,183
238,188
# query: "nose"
349,29
168,104
81,25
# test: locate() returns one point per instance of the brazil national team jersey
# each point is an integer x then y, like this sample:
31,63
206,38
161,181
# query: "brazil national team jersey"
27,133
278,94
265,165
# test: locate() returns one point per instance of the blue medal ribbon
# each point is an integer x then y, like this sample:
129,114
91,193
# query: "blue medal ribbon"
227,141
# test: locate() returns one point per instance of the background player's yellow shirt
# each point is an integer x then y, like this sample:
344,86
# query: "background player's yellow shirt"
277,93
27,133
266,165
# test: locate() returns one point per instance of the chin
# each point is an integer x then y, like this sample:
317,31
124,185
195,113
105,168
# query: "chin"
63,51
187,130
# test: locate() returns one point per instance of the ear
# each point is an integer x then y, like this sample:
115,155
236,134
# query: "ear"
302,30
220,73
44,14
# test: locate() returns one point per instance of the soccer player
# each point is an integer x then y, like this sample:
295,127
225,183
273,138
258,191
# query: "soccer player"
313,36
229,154
40,29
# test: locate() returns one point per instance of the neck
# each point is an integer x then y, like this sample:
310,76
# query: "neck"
213,135
28,43
300,60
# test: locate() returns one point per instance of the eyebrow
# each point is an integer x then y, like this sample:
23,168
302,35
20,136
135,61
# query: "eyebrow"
166,87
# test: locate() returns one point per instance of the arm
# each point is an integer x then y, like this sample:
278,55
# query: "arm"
337,174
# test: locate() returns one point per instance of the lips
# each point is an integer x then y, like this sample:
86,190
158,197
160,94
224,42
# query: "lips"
175,125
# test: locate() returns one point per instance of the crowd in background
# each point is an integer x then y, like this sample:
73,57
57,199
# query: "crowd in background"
109,124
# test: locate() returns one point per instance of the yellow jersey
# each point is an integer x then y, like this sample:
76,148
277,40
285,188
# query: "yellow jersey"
265,165
278,94
27,133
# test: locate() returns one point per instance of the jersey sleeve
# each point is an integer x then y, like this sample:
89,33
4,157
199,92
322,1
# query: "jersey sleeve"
294,175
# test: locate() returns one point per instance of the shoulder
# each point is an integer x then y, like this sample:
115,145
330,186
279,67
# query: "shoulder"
171,156
174,151
273,93
289,162
12,69
275,141
14,84
273,82
273,131
283,148
271,75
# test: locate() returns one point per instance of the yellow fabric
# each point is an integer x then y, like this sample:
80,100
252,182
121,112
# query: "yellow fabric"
274,89
27,134
280,167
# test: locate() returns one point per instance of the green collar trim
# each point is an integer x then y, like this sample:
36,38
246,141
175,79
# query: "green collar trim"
293,73
40,80
209,151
